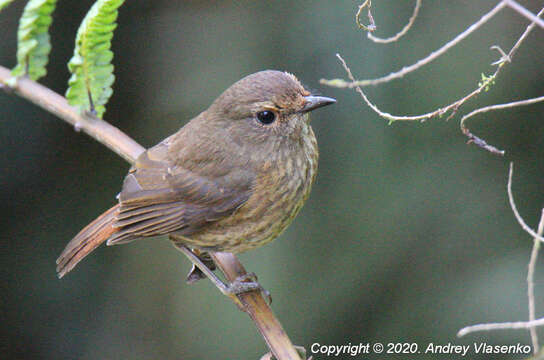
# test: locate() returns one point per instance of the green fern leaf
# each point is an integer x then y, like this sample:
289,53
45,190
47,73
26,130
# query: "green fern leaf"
89,87
4,3
33,45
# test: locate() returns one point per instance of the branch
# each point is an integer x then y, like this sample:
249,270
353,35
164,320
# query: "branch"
257,309
55,104
340,83
531,283
532,323
372,26
524,226
524,12
478,141
483,85
500,326
438,112
400,33
108,135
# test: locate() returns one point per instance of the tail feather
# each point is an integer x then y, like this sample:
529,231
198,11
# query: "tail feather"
86,241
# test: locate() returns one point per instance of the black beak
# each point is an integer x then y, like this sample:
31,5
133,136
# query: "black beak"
314,102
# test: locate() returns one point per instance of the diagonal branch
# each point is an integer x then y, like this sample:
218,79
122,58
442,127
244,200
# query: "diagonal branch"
524,12
110,136
56,104
477,140
453,107
340,83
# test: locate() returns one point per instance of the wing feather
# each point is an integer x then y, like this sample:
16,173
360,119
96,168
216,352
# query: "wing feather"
159,198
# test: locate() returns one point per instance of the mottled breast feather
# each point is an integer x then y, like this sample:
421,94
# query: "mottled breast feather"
282,185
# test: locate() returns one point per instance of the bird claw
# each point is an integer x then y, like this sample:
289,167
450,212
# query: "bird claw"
246,283
203,266
195,273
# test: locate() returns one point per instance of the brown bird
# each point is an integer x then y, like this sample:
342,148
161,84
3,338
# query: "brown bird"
230,180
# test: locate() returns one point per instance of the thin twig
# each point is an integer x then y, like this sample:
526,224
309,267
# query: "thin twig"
439,112
400,33
524,12
504,56
532,323
480,142
372,26
504,59
520,220
340,83
128,149
528,29
531,284
500,326
483,85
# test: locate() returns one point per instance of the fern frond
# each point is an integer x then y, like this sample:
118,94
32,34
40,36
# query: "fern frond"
4,3
89,87
33,45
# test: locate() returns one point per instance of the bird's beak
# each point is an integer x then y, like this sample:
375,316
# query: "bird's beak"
314,102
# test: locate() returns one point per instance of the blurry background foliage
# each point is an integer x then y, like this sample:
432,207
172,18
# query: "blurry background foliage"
407,235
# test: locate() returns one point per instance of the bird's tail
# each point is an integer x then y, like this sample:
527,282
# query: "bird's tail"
86,241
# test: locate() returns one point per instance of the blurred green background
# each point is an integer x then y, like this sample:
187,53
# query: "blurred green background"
407,236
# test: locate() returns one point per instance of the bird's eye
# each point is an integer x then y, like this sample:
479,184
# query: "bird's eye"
266,117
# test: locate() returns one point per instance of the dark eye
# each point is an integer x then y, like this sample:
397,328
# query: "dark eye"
266,117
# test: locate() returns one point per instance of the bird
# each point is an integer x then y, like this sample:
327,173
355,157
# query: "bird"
232,179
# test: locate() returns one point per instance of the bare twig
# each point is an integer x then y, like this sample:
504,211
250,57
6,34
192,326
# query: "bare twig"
520,220
481,143
478,141
504,56
528,29
127,148
524,12
483,85
537,238
340,83
372,26
531,284
439,112
500,326
400,33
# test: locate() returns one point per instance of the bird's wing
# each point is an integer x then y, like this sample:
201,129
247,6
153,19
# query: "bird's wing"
159,198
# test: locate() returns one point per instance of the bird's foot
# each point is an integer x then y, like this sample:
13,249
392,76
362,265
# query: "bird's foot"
247,283
240,285
195,273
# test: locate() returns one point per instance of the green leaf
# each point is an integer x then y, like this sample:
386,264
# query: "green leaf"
4,3
33,45
89,87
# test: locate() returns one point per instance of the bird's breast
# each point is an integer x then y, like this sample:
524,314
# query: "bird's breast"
281,188
282,185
